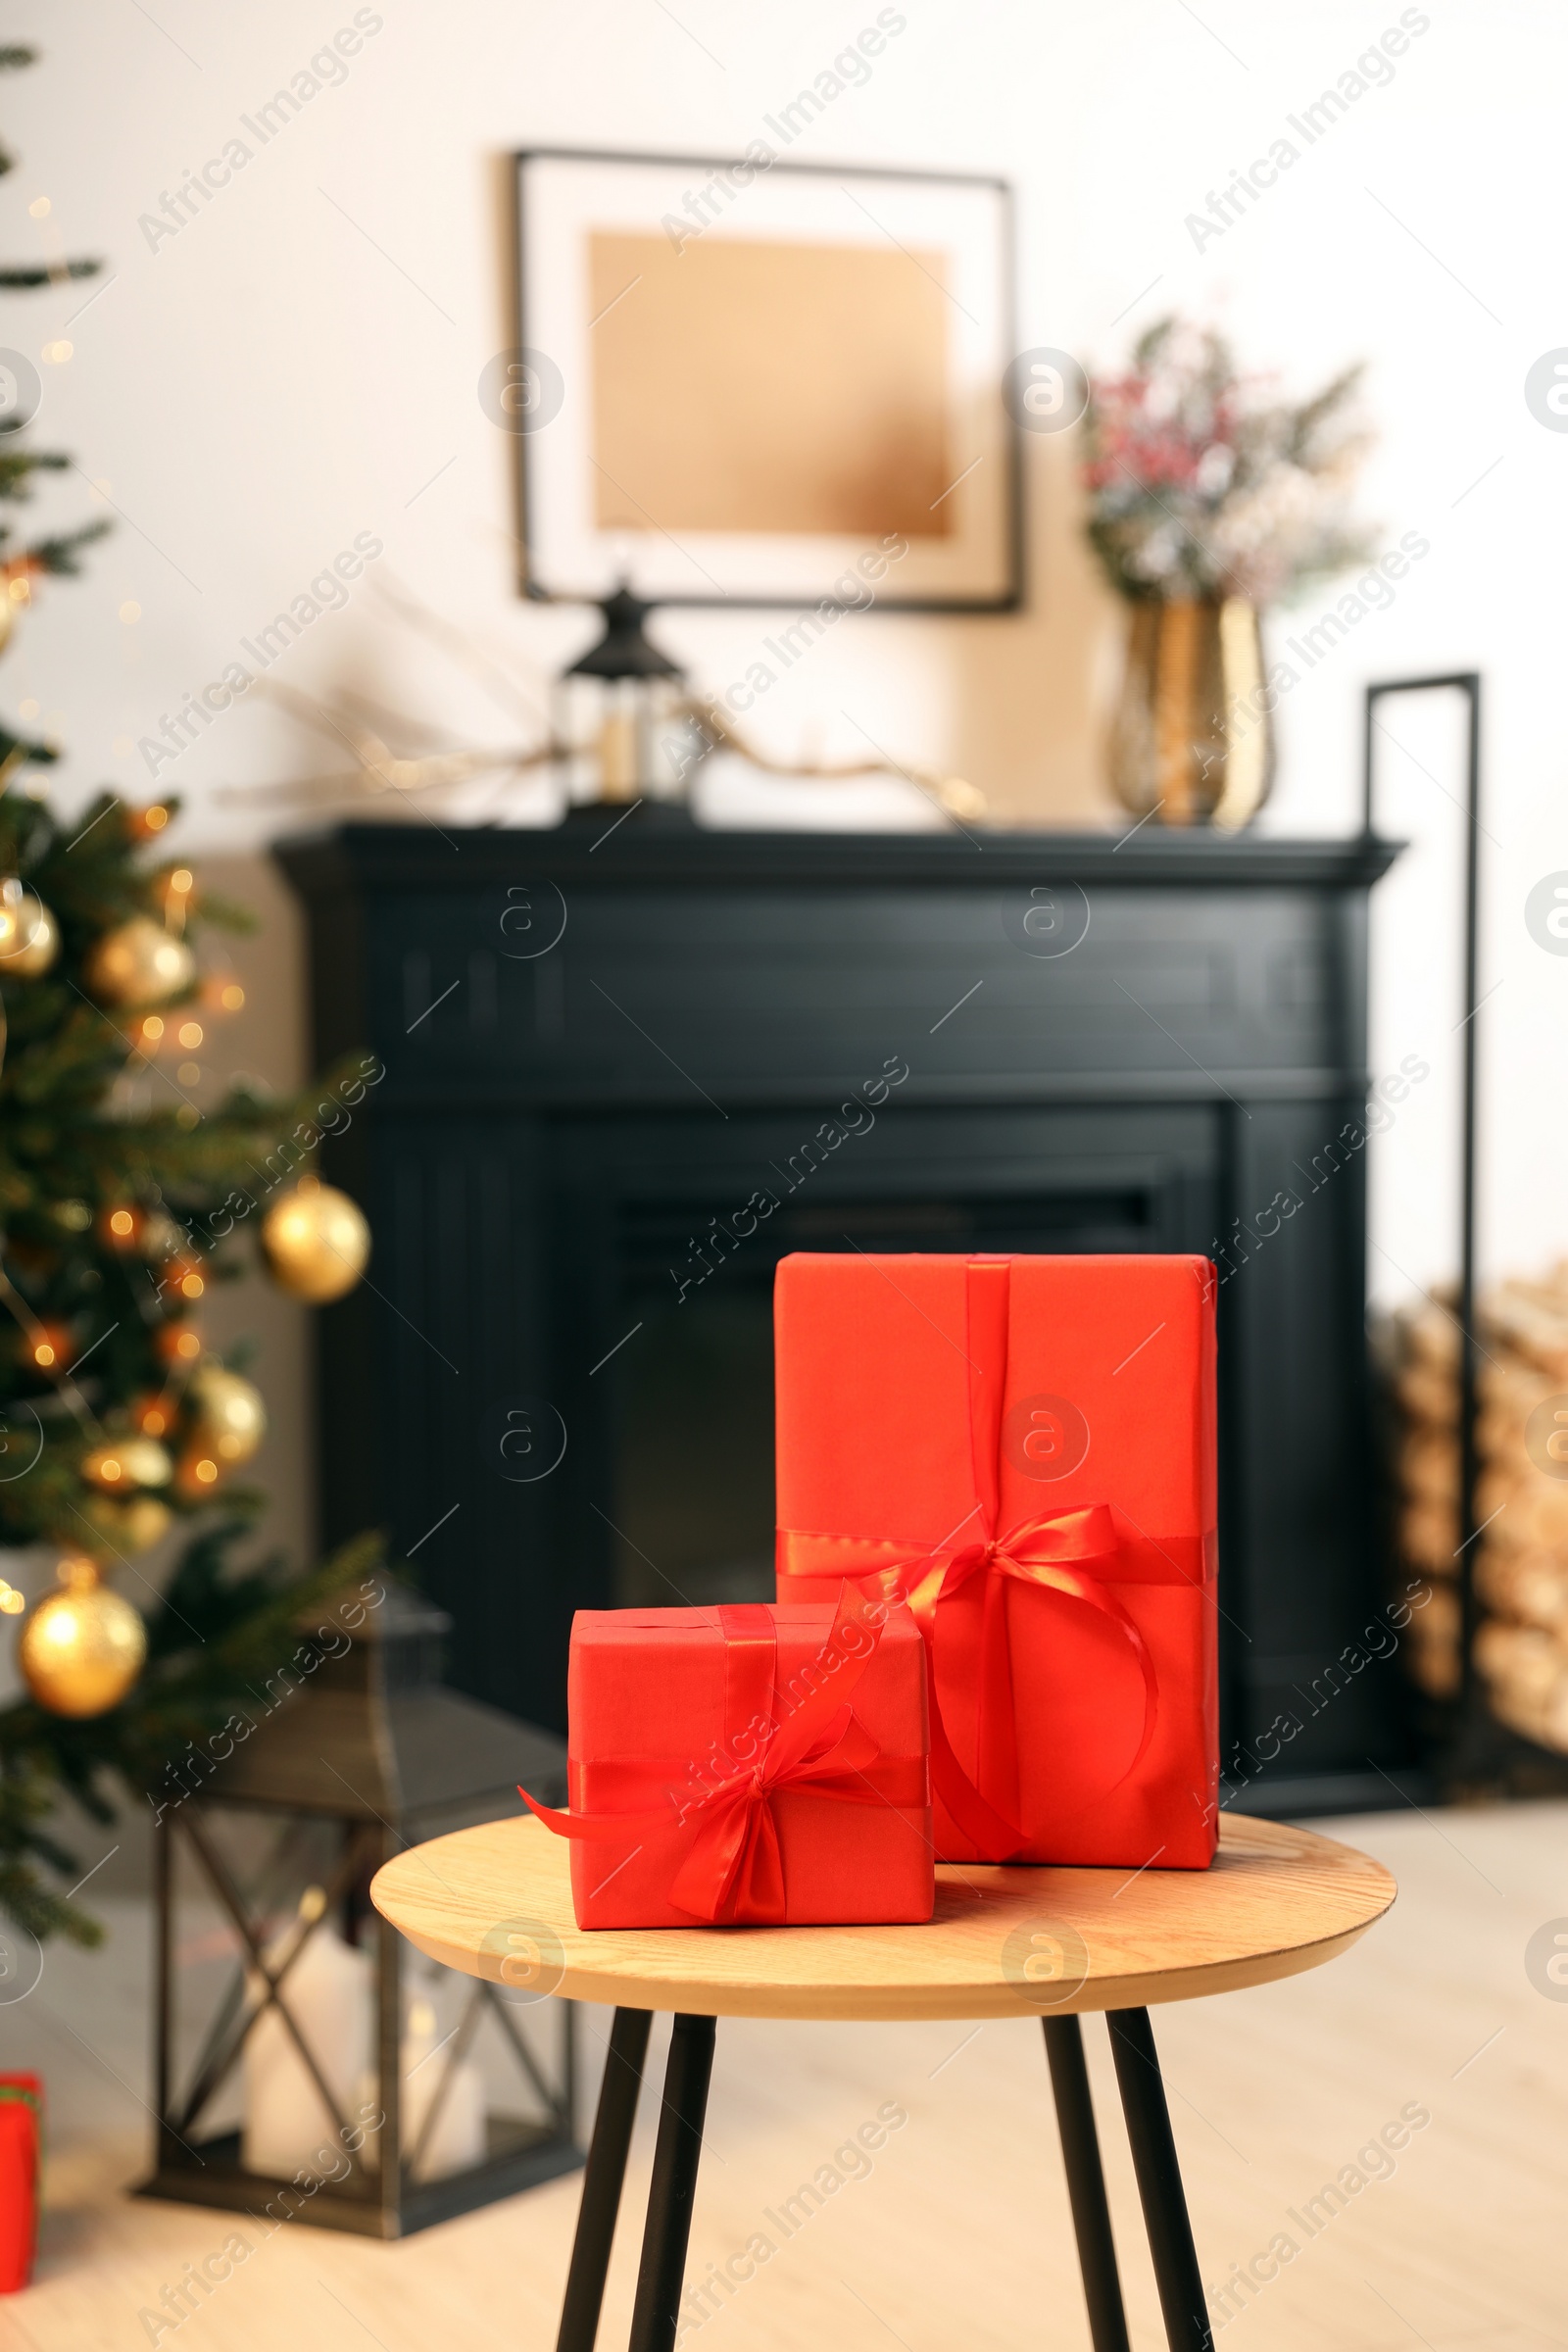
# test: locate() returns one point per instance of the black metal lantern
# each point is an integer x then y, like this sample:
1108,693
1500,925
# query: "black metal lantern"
623,720
310,2064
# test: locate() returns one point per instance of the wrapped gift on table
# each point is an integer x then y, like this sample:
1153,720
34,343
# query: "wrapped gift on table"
749,1766
1025,1448
21,2138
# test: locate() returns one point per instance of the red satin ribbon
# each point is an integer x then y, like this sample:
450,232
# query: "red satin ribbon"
1070,1555
732,1874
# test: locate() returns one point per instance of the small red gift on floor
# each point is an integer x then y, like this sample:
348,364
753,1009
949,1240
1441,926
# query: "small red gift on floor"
21,2138
1025,1448
754,1766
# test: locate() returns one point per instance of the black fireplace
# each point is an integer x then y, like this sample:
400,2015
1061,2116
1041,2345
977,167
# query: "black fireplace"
627,1071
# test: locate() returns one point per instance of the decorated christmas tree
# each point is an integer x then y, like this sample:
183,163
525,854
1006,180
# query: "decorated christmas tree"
122,1201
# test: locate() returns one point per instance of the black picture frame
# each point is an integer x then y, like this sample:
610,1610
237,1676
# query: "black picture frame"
528,459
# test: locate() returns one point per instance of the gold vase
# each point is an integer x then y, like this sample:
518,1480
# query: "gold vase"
1193,740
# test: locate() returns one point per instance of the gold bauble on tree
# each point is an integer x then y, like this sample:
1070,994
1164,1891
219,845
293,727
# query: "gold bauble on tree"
82,1647
122,1464
11,913
30,938
41,945
138,962
316,1242
229,1417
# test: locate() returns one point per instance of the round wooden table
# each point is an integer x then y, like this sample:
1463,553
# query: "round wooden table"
496,1901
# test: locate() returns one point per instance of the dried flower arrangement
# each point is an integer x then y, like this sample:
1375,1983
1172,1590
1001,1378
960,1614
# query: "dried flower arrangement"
1203,483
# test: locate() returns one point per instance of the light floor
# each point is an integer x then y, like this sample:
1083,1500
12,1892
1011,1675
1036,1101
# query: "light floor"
959,2234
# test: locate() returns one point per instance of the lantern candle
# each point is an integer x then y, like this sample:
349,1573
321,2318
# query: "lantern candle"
327,1991
458,2139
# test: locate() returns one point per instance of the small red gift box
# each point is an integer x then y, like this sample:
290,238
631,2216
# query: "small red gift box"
750,1766
20,2130
1025,1449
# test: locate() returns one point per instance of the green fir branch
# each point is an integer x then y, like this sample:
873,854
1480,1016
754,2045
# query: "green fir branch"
24,276
56,555
17,466
217,1636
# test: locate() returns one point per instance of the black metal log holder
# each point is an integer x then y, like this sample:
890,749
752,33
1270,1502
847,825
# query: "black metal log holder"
1475,1750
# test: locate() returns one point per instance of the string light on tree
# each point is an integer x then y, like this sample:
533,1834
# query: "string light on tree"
47,1348
196,1473
184,1277
154,1416
178,897
178,1343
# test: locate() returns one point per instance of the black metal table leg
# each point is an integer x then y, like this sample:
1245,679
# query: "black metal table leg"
1086,2183
674,2186
1159,2181
602,2180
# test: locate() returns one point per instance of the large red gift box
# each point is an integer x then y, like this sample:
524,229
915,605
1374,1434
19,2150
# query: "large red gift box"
1024,1448
748,1766
21,2127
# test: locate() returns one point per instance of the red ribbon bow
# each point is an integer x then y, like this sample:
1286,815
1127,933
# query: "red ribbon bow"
732,1874
1064,1555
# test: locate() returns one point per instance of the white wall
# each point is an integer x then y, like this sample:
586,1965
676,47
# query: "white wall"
300,359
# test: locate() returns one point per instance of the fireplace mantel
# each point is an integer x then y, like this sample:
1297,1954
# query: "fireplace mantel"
426,857
598,1040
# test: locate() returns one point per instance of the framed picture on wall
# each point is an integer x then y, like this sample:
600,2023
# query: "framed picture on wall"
739,380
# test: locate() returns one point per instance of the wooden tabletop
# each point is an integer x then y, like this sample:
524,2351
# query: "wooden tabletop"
496,1901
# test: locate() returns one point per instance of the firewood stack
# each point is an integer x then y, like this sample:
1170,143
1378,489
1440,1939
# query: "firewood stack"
1521,1498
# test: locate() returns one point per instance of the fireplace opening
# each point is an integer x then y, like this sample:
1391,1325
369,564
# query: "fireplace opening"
693,1401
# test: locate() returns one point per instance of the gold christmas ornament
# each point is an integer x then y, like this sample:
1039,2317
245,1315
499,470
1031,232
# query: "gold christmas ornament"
30,938
42,944
11,913
82,1647
230,1419
125,1463
138,963
126,1528
317,1243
